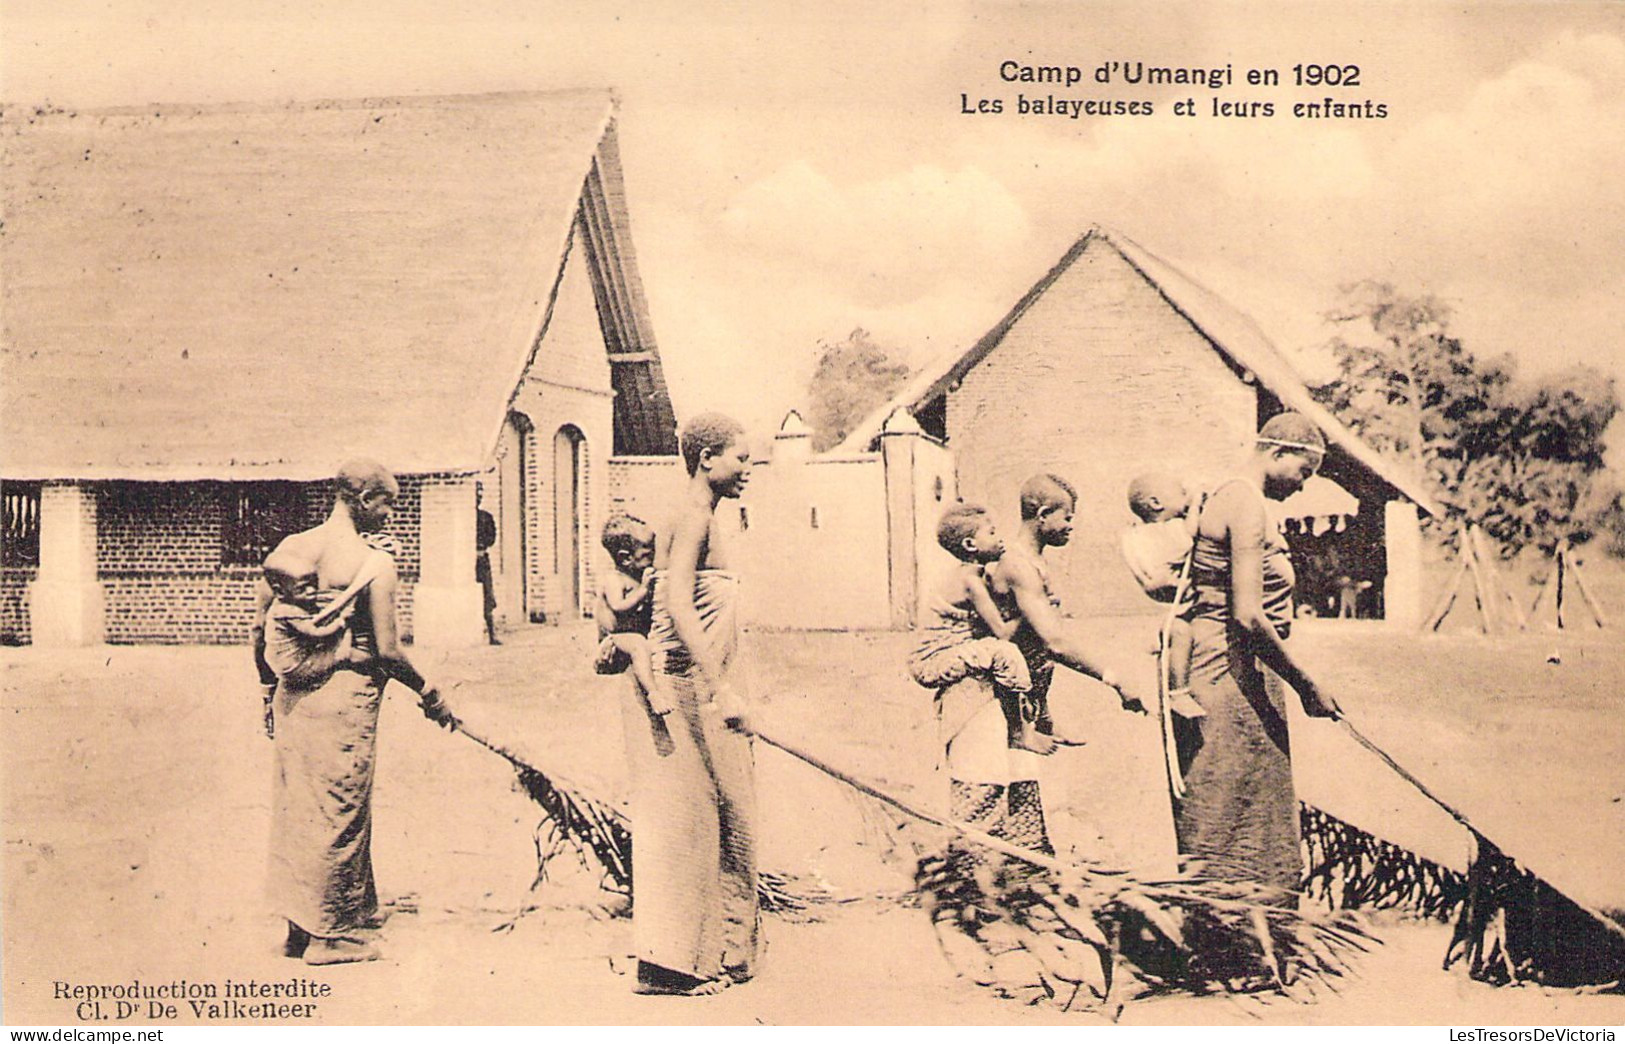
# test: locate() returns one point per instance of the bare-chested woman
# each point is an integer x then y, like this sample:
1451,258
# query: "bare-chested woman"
325,728
694,915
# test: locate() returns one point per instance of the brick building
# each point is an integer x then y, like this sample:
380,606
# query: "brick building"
208,309
1115,363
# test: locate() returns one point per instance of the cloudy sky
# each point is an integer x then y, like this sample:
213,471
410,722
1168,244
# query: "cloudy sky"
798,170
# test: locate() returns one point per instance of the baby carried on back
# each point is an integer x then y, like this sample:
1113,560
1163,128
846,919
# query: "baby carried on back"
308,634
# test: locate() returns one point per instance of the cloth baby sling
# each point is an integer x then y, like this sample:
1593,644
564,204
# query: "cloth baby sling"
1183,600
303,647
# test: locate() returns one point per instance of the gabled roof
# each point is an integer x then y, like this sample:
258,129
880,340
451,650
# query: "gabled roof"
1232,334
264,291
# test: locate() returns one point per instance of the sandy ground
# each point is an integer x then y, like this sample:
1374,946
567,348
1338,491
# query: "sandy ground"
135,810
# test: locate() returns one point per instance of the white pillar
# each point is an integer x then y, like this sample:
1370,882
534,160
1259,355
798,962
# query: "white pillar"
1402,591
899,445
66,606
447,605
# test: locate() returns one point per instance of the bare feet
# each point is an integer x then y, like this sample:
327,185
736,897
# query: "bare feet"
1029,738
339,950
1063,739
659,699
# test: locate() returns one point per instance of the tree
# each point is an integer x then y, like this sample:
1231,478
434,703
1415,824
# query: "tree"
853,377
1407,386
1520,458
1542,482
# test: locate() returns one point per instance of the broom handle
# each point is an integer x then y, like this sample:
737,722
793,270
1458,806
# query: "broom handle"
1399,769
1596,915
970,833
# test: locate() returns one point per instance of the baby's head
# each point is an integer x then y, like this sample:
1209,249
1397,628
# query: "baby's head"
630,543
293,582
966,531
1158,496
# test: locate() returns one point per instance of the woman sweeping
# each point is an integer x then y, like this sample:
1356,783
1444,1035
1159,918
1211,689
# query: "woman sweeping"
1238,817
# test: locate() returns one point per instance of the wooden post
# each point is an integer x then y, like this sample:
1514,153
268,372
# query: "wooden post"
1562,564
1585,593
1498,584
1544,584
1441,609
1478,580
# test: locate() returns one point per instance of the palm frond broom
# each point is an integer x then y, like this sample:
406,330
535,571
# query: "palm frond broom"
1037,928
1511,925
598,832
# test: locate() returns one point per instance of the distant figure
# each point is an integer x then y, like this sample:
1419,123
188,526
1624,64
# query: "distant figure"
1348,596
624,612
1157,552
967,637
325,706
485,537
694,913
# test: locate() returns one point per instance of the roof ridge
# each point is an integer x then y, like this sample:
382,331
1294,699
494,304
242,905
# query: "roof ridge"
10,108
1232,333
944,366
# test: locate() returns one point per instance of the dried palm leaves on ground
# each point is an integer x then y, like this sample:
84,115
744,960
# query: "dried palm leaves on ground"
599,834
1353,870
1511,925
1515,927
1099,938
1082,934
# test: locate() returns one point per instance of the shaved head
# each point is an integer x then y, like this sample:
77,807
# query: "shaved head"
1044,493
1153,492
359,477
1292,431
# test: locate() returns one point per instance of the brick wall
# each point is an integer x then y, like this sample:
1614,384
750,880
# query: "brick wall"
559,415
159,547
643,486
14,623
1100,380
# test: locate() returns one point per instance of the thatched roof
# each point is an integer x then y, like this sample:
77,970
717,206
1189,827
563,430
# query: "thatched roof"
1232,334
262,291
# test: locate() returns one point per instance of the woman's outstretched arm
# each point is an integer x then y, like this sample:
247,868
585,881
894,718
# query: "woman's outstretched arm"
1241,513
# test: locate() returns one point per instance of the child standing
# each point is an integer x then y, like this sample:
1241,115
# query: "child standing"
967,635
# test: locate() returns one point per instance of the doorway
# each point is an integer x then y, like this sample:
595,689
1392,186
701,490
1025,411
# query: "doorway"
569,453
511,554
